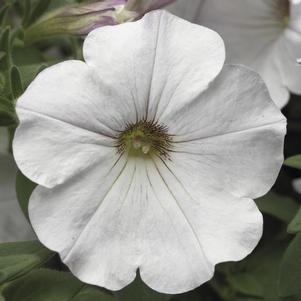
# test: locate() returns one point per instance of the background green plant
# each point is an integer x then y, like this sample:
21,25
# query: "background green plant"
30,272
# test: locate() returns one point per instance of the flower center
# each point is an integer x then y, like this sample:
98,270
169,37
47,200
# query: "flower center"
145,138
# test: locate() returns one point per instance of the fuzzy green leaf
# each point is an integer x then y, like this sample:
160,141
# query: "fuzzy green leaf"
5,46
246,283
2,55
50,285
26,9
290,270
7,112
38,10
294,162
3,12
295,224
15,82
281,207
264,266
17,259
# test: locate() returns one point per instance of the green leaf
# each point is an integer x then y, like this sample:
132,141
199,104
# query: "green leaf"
290,270
3,12
2,55
16,82
38,10
30,62
27,56
24,188
281,207
295,224
50,285
294,161
90,293
5,46
7,112
264,265
26,9
17,259
246,283
29,72
139,291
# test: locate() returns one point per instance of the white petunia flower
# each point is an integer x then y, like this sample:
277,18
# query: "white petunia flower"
148,155
264,35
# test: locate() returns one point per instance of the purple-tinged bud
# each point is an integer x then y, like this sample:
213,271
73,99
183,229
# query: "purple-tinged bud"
82,18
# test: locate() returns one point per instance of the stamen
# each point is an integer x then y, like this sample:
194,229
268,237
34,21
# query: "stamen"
145,138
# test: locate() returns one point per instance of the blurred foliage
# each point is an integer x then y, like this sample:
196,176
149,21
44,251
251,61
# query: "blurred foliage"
30,272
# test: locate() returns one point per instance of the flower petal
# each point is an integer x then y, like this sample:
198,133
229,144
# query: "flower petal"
139,60
141,217
57,150
72,92
232,135
295,15
61,114
240,22
104,233
227,227
287,51
268,66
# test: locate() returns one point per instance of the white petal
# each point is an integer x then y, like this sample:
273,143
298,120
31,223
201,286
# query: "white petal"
241,21
50,151
140,61
295,16
227,227
106,232
63,128
268,66
72,92
111,222
287,51
233,132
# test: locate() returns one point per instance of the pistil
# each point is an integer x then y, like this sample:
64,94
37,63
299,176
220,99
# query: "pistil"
145,138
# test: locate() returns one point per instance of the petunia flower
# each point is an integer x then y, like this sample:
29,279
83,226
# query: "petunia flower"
80,19
264,35
148,155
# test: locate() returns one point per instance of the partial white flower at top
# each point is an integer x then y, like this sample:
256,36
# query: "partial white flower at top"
264,35
148,155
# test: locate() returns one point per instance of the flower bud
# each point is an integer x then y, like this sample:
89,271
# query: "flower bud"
82,18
